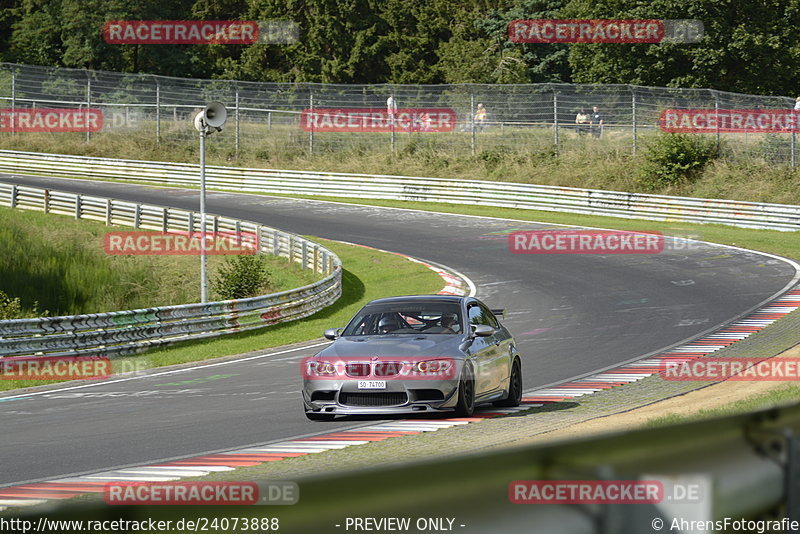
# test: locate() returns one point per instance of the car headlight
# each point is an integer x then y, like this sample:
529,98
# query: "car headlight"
433,367
321,368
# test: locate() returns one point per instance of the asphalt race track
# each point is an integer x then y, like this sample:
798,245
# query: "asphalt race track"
571,315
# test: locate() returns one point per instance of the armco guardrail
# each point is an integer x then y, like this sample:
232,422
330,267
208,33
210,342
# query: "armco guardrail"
128,332
739,468
501,194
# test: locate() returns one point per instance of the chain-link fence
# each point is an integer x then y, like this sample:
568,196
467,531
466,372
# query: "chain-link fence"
463,118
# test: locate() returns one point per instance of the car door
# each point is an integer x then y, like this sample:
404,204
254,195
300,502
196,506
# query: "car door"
501,360
483,352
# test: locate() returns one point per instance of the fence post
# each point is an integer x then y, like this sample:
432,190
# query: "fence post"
46,200
794,143
237,120
78,207
311,130
109,208
716,115
276,243
633,117
472,121
158,112
304,252
14,196
13,99
555,119
137,216
164,219
269,120
88,104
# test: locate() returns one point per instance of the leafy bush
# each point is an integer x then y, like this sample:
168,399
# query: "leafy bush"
11,308
242,276
675,159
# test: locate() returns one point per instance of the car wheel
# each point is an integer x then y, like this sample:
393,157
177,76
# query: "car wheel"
319,416
466,393
514,387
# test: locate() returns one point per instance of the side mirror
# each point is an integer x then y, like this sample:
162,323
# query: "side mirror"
482,330
331,333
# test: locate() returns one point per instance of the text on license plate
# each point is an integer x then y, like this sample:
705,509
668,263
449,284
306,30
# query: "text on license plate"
372,384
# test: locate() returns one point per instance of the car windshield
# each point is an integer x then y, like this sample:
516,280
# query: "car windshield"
410,318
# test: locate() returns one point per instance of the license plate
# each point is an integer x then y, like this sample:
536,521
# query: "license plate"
372,384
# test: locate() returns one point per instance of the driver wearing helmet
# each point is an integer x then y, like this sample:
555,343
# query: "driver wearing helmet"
449,323
387,325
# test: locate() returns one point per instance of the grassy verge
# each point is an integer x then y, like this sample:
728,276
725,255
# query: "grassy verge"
782,394
513,154
60,264
368,274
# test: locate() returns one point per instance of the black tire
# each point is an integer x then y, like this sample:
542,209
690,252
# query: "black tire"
319,416
466,393
514,387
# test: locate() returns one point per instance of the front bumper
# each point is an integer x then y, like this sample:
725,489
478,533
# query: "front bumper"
343,397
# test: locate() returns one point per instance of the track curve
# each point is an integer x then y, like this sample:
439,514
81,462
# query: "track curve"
571,315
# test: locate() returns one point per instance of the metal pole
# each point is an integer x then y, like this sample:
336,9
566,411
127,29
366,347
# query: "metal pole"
203,258
88,105
716,115
237,121
633,114
158,112
311,130
555,119
794,144
472,120
13,100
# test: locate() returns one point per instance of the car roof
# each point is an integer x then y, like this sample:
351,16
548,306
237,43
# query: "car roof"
456,299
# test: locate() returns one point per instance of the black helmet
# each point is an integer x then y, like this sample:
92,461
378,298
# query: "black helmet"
388,324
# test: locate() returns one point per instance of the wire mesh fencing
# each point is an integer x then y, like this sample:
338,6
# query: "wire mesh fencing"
318,118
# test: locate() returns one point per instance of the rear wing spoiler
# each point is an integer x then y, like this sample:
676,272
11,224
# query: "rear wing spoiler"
499,311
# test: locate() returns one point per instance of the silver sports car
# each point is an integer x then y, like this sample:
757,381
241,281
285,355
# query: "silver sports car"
423,353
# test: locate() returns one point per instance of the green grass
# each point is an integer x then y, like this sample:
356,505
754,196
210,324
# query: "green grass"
786,393
367,275
515,155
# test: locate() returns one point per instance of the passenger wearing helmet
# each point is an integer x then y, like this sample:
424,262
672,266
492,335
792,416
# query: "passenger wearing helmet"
387,325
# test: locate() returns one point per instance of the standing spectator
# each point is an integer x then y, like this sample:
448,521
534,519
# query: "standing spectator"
797,104
582,119
480,117
391,109
596,122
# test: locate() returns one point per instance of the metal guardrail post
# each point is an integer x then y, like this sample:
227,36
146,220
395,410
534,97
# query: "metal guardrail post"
78,206
276,244
109,208
137,214
236,115
13,99
316,259
46,201
633,116
164,219
88,105
472,121
555,119
158,111
313,120
304,254
190,223
13,196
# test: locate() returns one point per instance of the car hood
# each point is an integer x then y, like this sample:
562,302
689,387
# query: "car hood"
400,345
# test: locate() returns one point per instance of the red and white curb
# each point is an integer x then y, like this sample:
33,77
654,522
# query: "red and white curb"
65,488
632,372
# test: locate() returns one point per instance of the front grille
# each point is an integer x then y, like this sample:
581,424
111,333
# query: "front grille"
323,396
357,369
427,394
388,368
383,398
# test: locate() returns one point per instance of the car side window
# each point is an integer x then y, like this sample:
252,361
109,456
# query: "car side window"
476,315
489,317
